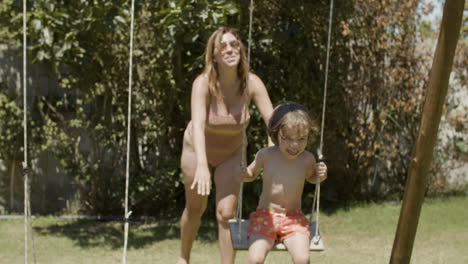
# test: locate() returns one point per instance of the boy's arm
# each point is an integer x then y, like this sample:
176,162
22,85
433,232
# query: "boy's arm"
254,168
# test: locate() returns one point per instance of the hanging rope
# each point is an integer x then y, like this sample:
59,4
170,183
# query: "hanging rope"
326,76
316,202
127,173
25,142
30,225
27,200
246,109
250,33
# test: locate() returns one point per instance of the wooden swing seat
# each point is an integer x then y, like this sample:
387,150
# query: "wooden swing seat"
241,242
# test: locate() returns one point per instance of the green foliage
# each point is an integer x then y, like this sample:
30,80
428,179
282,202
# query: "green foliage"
10,128
373,101
83,123
10,133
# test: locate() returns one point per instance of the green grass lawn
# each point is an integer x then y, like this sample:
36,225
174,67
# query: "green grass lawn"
362,234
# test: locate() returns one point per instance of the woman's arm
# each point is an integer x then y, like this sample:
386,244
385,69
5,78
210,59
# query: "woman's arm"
261,98
199,100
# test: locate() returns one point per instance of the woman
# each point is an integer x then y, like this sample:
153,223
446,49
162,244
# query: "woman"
213,139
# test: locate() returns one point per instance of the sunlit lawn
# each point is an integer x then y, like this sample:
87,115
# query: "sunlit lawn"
362,234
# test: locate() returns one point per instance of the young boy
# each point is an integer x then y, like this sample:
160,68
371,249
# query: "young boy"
286,166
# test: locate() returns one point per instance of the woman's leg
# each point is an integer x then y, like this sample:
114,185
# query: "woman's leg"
227,190
298,247
195,205
259,248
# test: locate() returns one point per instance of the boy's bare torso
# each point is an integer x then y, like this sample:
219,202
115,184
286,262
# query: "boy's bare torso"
283,180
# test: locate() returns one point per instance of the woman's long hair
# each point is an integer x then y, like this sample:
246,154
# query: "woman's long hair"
211,67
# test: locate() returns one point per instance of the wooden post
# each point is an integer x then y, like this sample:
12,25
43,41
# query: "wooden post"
422,152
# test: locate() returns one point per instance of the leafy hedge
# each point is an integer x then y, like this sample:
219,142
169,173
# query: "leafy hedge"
374,90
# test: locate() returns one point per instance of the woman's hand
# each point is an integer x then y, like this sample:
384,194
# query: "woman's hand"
202,179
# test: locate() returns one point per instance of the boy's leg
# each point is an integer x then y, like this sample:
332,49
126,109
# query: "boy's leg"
298,247
259,248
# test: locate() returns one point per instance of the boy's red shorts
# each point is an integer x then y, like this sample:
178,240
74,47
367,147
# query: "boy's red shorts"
278,226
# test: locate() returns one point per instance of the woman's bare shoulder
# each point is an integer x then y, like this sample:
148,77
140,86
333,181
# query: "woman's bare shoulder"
254,79
255,84
201,79
200,85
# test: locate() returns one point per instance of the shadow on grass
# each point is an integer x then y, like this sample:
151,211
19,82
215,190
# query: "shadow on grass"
110,234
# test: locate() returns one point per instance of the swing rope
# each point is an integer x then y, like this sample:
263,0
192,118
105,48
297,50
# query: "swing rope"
246,109
316,202
27,200
25,141
27,203
127,169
